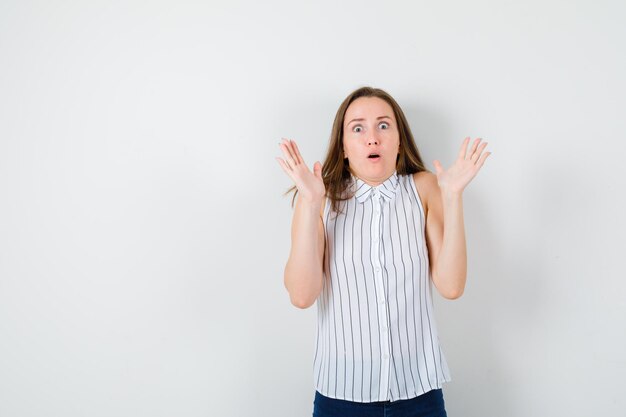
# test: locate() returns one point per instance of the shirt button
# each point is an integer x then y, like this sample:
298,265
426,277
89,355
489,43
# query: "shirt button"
377,269
382,301
384,328
386,355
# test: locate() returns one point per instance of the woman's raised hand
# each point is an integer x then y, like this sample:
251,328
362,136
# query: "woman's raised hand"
456,178
309,184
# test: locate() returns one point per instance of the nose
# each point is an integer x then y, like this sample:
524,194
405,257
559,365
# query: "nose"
373,137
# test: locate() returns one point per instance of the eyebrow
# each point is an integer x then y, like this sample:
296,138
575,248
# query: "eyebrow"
361,119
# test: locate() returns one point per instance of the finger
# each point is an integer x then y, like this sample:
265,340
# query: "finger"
317,169
474,146
293,151
286,142
482,159
287,158
438,167
476,154
287,152
286,168
283,164
296,151
463,150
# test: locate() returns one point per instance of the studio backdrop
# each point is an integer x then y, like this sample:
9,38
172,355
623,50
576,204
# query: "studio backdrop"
144,230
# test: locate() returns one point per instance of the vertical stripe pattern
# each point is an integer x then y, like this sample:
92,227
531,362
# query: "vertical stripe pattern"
376,332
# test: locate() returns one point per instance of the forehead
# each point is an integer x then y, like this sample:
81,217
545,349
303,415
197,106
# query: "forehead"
368,107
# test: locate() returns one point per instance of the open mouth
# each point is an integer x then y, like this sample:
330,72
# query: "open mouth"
374,156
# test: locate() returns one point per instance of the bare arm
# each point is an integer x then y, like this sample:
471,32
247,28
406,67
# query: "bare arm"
445,228
445,234
303,272
304,269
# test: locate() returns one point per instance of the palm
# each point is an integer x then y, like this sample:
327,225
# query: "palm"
310,184
456,178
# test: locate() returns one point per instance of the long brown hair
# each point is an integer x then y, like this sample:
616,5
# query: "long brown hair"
335,173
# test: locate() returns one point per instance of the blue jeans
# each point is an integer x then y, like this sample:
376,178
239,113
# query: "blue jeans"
429,404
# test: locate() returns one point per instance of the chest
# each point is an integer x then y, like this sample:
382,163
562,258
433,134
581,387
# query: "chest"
391,230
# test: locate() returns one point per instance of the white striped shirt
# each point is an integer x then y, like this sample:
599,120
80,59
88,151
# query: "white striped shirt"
376,332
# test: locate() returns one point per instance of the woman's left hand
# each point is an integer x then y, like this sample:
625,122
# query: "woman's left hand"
456,178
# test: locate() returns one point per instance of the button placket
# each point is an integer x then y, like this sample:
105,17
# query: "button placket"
378,262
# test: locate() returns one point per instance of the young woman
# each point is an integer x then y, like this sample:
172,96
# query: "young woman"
372,229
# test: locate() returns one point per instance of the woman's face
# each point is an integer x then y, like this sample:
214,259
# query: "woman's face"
369,129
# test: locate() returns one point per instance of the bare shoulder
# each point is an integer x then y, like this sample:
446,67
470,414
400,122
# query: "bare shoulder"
427,186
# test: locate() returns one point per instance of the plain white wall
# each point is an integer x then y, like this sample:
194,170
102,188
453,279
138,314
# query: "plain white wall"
143,233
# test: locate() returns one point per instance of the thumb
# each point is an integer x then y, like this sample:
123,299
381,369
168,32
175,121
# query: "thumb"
317,169
438,168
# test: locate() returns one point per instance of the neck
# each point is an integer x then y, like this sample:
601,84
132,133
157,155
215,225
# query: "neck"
372,181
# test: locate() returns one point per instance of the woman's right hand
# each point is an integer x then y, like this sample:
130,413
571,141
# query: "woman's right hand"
309,184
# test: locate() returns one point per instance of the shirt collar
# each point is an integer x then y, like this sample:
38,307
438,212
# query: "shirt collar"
387,189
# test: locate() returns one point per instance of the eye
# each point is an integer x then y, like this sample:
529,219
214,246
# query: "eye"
354,129
384,123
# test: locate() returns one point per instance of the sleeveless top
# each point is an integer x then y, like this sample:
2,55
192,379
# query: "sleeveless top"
376,332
